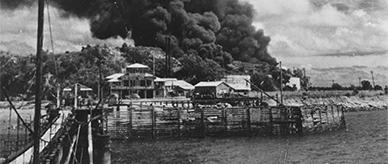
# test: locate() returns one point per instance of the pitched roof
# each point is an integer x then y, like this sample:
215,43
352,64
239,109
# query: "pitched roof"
115,76
209,83
165,79
180,83
137,65
239,87
148,75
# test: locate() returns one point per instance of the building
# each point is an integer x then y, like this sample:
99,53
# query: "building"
135,82
212,89
181,88
240,83
83,91
171,87
161,89
294,82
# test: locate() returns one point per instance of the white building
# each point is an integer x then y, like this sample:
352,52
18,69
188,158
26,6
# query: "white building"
166,87
294,81
239,83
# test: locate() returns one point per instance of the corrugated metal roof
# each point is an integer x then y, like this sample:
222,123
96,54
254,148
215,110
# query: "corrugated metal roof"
80,86
239,87
209,83
115,76
180,83
165,79
148,75
137,65
113,80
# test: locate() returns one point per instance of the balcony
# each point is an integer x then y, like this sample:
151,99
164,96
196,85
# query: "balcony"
130,87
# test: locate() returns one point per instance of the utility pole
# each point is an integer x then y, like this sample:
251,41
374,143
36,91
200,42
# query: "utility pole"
359,82
38,81
168,56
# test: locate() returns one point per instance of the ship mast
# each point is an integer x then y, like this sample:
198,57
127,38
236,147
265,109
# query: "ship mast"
38,81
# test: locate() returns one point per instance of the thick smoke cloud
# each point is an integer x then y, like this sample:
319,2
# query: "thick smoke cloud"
13,4
220,30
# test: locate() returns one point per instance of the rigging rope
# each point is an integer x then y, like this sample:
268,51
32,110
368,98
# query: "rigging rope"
51,35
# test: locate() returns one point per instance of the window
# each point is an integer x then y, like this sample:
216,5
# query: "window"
126,83
133,83
149,83
142,83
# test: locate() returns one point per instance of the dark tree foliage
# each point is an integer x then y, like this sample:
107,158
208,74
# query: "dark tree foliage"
66,69
365,85
378,87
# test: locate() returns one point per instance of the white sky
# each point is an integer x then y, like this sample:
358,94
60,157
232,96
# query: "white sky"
309,27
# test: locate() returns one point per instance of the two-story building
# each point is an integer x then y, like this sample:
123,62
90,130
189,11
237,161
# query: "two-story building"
135,82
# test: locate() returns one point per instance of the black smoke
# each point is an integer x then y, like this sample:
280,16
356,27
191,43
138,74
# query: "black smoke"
219,30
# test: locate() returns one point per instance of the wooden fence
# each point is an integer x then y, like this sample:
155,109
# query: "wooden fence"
155,121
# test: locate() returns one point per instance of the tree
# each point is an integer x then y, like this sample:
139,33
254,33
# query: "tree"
378,87
365,85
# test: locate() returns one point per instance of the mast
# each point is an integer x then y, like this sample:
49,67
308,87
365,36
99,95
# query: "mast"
38,85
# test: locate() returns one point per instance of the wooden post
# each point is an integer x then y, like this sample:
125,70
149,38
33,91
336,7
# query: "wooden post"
320,115
179,121
342,116
38,82
58,96
130,119
261,97
332,113
225,118
75,96
338,111
202,123
270,120
249,120
327,116
17,134
153,122
90,139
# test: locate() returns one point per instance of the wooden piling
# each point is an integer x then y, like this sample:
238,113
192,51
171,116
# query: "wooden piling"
130,119
270,120
153,121
225,118
249,119
202,123
332,113
179,121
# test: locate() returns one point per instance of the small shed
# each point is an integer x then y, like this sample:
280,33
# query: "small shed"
212,89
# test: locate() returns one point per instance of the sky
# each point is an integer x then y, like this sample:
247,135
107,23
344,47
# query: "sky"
18,32
338,40
310,27
320,35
